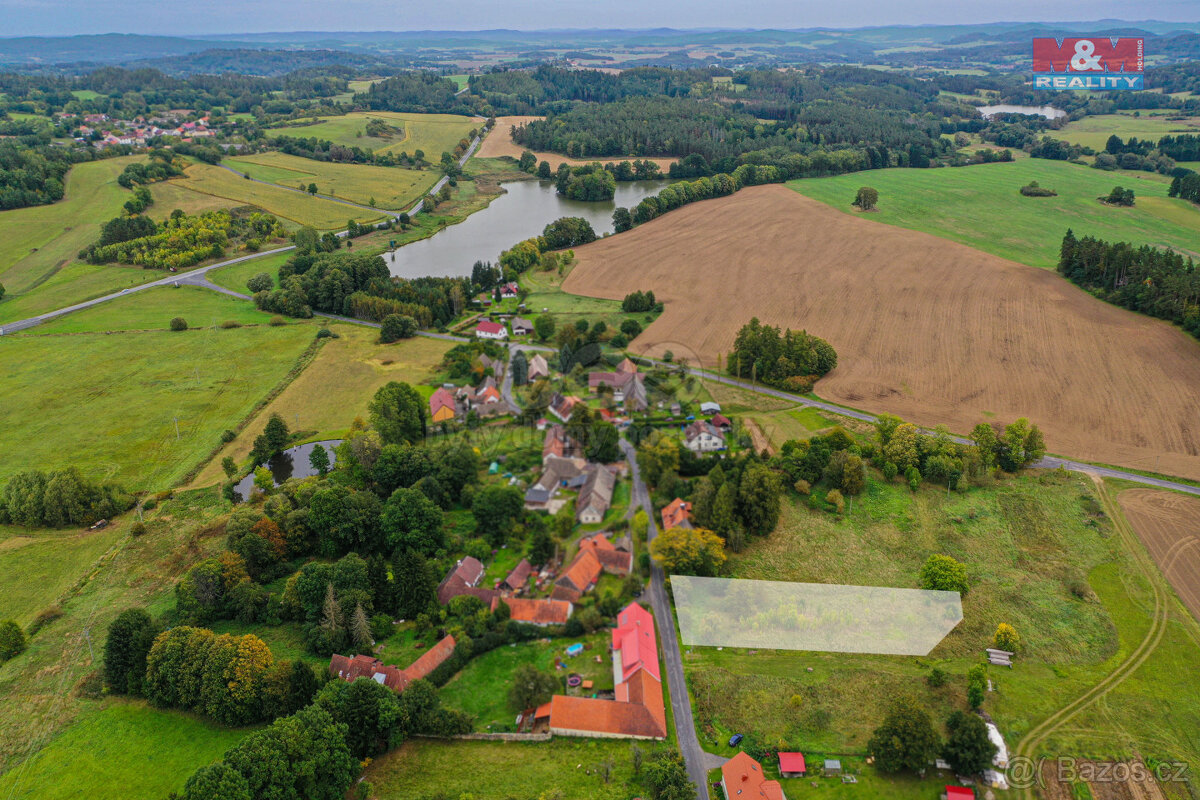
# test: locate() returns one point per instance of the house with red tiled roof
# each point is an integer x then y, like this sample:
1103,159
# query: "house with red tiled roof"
558,443
638,712
490,330
677,514
561,405
536,611
791,765
463,579
742,779
442,405
612,560
518,579
360,666
578,578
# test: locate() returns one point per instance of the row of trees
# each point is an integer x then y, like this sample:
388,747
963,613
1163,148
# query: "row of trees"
56,499
1161,283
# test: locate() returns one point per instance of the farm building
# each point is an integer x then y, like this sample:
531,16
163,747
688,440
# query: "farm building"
721,423
742,779
627,384
558,444
490,330
791,765
557,473
536,611
463,579
509,290
703,437
596,495
442,405
578,578
521,326
612,558
351,669
561,406
538,368
638,712
959,793
710,408
518,579
677,514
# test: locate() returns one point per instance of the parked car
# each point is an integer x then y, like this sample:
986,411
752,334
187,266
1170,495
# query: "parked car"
735,740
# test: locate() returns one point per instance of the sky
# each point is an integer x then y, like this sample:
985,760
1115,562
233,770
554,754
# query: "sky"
183,17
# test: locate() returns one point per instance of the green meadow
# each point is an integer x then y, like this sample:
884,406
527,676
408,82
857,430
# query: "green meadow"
433,134
1094,131
982,206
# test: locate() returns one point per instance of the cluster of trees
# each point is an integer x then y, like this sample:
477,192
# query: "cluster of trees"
907,741
1181,147
834,458
1185,185
181,241
418,91
789,360
639,301
1161,283
160,167
31,176
585,182
567,232
37,499
1119,197
1032,189
326,150
222,676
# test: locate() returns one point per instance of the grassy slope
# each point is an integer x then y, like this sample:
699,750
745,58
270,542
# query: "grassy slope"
153,309
38,245
107,402
559,768
37,566
1094,131
292,206
981,206
127,749
431,133
390,187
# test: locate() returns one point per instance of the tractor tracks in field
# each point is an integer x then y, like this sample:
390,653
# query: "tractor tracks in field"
1028,747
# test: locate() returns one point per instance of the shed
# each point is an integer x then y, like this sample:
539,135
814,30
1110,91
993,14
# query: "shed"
710,408
959,793
791,765
833,766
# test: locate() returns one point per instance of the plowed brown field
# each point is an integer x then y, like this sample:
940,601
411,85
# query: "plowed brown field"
934,331
499,143
1169,525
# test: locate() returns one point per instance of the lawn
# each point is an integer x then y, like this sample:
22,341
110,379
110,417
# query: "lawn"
1094,131
38,566
293,206
981,206
235,275
481,688
546,296
153,309
390,187
38,245
121,750
141,408
433,134
337,386
422,769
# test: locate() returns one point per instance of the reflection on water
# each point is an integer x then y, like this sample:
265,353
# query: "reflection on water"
291,463
521,213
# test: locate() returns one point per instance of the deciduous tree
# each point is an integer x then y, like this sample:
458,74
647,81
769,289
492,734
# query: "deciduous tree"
906,740
688,551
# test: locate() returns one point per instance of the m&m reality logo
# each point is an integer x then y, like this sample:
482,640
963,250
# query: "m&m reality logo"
1096,63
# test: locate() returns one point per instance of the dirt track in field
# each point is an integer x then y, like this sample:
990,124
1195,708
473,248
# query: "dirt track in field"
932,330
499,143
1169,526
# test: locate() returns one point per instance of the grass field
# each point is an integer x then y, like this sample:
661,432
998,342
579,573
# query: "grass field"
109,404
433,134
127,749
1039,555
981,206
37,566
38,245
153,309
337,386
481,689
422,769
390,187
235,276
924,328
1094,131
299,209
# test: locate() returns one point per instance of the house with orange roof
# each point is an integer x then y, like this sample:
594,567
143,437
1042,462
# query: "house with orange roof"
742,779
612,559
360,666
536,611
578,578
638,712
677,514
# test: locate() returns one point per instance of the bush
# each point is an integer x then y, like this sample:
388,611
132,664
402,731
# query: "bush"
12,640
137,529
231,323
276,321
325,333
179,324
936,678
262,282
396,327
1032,189
943,573
228,436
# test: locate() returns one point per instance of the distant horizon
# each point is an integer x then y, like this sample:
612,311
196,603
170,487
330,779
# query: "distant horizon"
69,18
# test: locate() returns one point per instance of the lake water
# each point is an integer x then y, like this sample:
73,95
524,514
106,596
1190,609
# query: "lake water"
1049,112
291,463
521,213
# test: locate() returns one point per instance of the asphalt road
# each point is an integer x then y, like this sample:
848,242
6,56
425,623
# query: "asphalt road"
694,757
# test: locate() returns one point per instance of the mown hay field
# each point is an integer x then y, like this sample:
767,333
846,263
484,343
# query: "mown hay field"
433,134
982,206
925,328
1093,131
389,187
1169,526
499,143
290,206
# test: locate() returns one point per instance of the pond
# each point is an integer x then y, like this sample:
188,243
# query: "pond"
291,463
521,213
1049,112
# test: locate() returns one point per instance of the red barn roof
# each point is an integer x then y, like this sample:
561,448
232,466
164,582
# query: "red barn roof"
792,762
959,793
489,327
